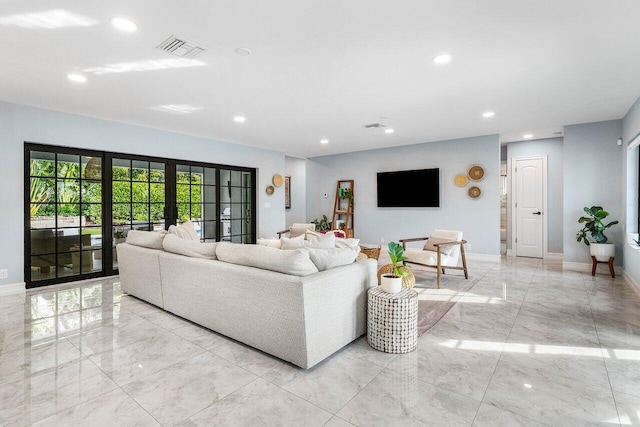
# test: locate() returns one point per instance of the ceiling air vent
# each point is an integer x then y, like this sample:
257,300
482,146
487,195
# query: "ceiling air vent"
374,125
181,47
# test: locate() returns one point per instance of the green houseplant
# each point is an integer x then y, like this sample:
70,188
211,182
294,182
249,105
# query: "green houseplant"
392,282
322,224
595,227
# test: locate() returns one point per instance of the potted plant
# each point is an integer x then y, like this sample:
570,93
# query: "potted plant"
119,236
323,224
593,225
392,282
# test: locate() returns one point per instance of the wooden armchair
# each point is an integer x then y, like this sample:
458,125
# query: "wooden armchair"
297,229
443,252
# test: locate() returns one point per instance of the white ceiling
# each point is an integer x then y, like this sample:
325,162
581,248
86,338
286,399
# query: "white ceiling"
323,69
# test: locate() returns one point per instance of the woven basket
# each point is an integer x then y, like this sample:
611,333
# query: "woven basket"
408,281
371,252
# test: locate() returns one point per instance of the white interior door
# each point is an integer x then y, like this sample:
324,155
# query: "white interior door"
529,197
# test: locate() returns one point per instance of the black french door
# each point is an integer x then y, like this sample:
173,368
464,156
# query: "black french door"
80,204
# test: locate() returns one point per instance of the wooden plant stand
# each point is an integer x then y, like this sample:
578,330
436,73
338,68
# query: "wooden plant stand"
595,265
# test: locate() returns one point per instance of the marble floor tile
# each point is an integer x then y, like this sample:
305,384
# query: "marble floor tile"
490,416
550,399
396,399
453,369
200,336
618,335
557,311
260,403
166,320
137,306
174,393
540,330
145,357
37,396
336,421
246,357
623,367
330,384
115,409
361,349
628,408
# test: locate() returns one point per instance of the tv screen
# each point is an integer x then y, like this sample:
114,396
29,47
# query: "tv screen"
409,189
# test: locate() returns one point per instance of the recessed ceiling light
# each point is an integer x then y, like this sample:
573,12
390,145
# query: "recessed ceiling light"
488,114
124,24
78,78
441,59
239,119
243,51
388,130
527,135
324,141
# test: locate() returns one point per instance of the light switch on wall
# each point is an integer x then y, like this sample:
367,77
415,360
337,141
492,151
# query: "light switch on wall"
4,273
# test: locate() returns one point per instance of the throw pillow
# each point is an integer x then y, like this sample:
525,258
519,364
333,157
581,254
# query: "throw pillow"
292,243
445,250
294,262
348,243
146,239
326,259
185,231
189,248
323,241
274,243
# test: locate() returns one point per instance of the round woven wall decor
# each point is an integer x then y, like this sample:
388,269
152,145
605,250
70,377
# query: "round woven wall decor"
476,172
408,281
277,180
474,192
270,190
461,180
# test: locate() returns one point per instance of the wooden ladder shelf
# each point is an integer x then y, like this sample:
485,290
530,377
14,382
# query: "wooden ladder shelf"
343,207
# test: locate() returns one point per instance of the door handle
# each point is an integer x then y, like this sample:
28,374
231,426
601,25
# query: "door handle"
537,213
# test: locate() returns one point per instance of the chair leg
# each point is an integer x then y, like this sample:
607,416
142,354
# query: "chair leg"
611,270
442,270
439,270
464,261
594,265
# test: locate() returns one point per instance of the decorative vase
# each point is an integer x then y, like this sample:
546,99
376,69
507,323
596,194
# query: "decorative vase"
391,284
602,251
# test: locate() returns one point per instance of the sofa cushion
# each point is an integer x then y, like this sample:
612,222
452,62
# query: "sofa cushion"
274,243
429,245
326,259
185,231
348,243
294,262
292,242
146,239
323,241
176,245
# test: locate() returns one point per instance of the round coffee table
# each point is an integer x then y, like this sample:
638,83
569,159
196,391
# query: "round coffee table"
392,323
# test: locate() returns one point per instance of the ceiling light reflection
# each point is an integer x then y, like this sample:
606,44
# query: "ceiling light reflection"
149,65
50,20
177,109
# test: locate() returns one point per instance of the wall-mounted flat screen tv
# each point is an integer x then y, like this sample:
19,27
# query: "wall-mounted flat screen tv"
409,189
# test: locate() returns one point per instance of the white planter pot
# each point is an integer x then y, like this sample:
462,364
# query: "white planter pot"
603,251
391,284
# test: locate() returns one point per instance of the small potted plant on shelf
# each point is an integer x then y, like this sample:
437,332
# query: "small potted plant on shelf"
593,225
322,224
392,282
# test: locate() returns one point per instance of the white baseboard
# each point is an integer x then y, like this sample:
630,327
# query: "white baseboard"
555,255
585,267
634,285
483,257
12,288
509,252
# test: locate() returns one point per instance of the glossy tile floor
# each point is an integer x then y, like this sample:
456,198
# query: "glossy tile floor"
528,345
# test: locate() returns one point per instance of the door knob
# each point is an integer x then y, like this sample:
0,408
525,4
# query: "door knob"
537,213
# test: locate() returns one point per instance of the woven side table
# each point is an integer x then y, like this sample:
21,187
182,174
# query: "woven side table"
392,323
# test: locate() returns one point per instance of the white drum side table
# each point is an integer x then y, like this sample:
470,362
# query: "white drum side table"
392,321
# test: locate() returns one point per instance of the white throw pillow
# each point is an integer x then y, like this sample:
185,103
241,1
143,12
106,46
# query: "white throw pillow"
326,259
445,250
323,241
274,243
185,231
189,248
292,243
348,243
294,262
146,239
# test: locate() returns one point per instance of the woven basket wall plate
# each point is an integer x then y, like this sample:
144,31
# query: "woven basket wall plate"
476,173
277,180
474,192
270,190
461,180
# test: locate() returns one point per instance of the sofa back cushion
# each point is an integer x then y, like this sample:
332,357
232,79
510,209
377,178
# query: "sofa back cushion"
176,245
185,231
322,241
294,262
146,239
326,259
274,243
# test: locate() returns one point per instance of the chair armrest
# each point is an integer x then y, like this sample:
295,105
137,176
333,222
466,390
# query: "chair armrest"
413,239
280,233
460,242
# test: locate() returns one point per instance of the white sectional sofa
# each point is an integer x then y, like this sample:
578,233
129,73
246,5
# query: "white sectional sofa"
302,319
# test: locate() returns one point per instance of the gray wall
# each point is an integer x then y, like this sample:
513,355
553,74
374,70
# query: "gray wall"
479,219
592,176
20,123
553,149
630,129
298,170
